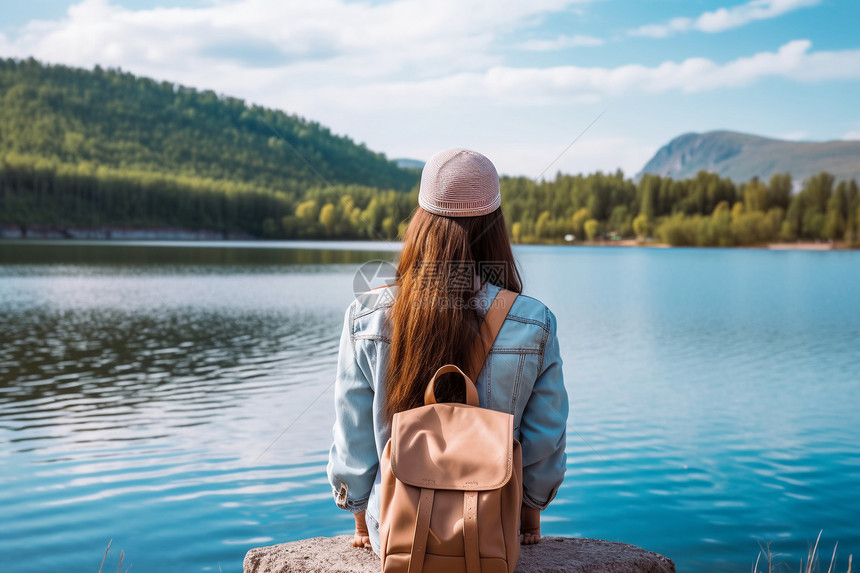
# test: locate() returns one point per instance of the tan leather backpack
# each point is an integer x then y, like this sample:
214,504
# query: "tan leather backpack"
452,478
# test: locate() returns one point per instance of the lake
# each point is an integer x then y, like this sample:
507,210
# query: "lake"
177,399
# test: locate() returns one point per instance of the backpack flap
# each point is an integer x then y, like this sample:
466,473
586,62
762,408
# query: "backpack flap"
452,446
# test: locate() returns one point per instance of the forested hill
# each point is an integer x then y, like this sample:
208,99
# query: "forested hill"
115,120
102,153
740,157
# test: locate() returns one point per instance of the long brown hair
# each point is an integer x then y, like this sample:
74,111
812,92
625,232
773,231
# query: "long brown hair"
434,319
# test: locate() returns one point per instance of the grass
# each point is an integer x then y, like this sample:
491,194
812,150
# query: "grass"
811,565
121,557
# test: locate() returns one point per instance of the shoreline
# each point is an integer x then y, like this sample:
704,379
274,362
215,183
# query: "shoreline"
72,235
53,232
795,246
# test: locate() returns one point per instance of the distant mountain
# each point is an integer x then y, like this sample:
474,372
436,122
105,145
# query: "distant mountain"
741,157
405,163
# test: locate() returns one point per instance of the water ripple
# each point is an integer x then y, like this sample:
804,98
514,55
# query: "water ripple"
141,399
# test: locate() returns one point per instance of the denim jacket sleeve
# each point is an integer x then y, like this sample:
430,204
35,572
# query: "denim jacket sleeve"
544,428
353,459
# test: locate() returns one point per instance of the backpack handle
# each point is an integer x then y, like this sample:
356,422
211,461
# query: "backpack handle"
471,390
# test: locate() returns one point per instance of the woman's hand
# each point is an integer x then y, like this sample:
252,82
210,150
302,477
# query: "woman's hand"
361,539
529,526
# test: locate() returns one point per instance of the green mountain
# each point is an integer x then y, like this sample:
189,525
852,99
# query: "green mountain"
101,153
740,157
115,120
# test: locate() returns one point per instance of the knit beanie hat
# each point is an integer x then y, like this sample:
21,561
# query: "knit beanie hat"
459,183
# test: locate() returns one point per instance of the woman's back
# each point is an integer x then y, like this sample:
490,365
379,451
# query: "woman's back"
522,376
518,355
395,338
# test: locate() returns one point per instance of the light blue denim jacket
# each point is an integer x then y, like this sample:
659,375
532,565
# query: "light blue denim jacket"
522,376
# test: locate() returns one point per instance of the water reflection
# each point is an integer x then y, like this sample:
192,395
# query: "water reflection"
142,383
179,255
145,391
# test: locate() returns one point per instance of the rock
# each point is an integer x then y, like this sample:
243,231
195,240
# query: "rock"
551,555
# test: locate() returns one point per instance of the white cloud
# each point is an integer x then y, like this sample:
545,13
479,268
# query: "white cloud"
795,136
409,77
724,18
569,84
357,57
405,36
663,30
561,43
852,136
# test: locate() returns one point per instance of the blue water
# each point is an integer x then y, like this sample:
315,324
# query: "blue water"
177,400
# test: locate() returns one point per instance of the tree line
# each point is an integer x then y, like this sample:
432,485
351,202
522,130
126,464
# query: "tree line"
706,210
36,192
103,148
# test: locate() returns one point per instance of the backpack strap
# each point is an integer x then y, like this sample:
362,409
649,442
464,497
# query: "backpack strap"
470,531
422,531
493,321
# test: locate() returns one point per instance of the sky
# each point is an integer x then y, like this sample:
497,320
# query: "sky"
517,80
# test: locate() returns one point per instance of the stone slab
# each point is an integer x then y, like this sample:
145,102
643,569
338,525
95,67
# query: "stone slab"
551,555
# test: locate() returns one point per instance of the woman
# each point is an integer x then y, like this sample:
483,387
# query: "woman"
456,257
